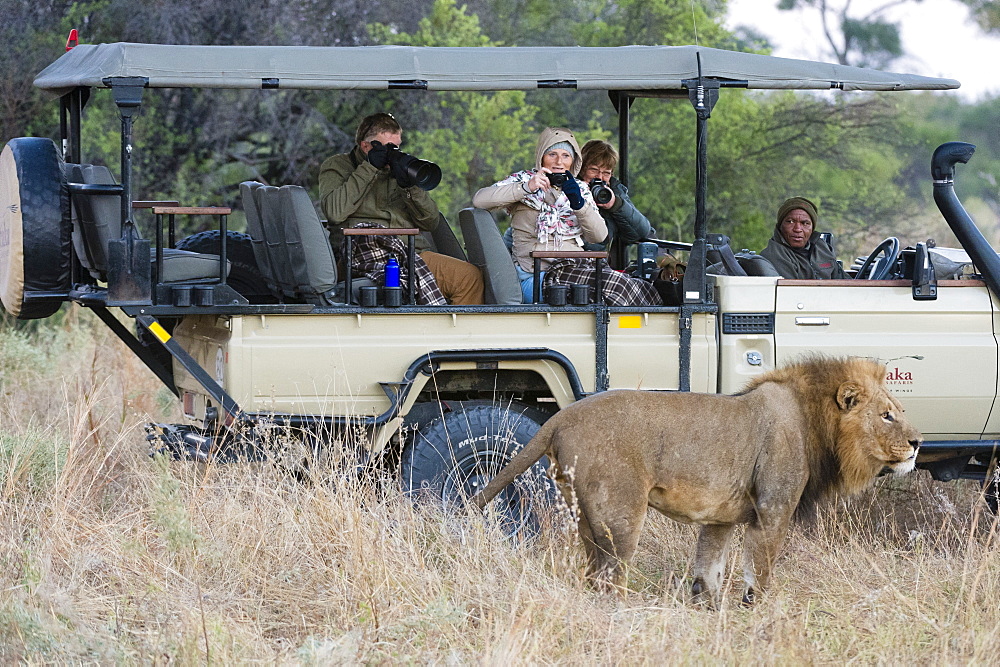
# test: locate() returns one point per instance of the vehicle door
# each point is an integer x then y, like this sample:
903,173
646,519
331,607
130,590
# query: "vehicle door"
940,355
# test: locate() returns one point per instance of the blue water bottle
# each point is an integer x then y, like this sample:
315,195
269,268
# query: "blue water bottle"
392,273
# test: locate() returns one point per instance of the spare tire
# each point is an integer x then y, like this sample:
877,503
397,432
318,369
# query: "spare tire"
35,229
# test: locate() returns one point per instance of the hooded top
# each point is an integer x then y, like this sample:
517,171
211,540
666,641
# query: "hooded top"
543,220
816,260
551,136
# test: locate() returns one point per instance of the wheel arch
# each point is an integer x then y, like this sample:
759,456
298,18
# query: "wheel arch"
554,370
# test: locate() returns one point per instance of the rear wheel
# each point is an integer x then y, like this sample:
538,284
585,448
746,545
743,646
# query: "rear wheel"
456,455
35,232
244,275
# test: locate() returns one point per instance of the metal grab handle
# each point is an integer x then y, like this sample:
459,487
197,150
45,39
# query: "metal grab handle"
812,321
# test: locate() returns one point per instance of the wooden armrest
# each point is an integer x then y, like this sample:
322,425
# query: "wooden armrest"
380,231
577,254
192,210
151,204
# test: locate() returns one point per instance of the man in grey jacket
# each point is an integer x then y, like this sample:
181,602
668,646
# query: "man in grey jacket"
796,249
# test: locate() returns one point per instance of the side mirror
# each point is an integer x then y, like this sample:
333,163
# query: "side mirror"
924,278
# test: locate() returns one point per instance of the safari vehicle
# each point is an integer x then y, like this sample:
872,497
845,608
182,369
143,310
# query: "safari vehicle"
262,342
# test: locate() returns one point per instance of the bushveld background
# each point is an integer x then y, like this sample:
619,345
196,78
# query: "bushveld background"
864,158
110,556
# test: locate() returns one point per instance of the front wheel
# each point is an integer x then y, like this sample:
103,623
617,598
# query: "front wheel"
456,455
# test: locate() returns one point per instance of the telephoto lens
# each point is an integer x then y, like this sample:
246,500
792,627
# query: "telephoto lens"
409,170
602,193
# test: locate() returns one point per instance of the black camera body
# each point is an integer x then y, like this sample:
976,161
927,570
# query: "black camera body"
557,180
601,191
409,170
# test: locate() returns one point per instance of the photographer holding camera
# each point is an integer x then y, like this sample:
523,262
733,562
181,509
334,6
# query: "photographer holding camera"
550,209
624,221
377,183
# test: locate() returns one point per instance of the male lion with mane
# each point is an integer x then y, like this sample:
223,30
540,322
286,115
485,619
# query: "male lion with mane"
794,436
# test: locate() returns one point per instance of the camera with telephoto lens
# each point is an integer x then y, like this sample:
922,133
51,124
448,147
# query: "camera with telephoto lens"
409,170
601,191
557,180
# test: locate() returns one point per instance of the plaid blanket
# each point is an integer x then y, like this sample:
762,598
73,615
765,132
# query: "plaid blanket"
370,254
619,289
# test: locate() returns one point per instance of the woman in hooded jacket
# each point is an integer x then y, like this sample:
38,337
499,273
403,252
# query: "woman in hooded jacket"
546,217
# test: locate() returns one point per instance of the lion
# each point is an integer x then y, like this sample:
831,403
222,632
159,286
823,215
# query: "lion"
793,437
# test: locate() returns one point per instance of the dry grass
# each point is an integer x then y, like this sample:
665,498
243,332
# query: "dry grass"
109,556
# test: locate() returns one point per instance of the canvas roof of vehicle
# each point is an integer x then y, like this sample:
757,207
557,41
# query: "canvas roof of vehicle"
632,68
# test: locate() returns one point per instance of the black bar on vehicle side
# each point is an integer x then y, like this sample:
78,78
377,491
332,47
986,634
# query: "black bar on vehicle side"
269,84
684,320
963,447
152,363
601,320
208,383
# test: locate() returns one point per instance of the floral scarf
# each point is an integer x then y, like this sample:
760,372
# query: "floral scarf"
557,220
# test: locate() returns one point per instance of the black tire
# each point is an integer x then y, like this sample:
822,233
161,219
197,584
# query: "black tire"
244,274
454,456
35,229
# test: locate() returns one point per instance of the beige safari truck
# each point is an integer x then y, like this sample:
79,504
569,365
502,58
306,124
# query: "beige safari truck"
263,342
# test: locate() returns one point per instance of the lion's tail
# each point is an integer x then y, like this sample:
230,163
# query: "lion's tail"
524,459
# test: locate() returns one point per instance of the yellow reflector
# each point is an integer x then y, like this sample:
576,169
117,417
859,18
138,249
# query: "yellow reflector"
630,321
158,331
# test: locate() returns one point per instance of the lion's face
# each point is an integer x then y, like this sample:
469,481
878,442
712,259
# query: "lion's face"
874,429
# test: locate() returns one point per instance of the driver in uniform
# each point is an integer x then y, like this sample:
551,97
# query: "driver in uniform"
796,249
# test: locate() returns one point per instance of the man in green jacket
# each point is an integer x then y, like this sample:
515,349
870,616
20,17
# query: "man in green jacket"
796,249
357,187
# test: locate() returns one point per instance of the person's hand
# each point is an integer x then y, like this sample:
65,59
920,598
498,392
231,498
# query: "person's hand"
378,155
572,190
609,204
402,179
539,181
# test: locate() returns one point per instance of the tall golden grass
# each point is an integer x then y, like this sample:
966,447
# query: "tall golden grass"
109,556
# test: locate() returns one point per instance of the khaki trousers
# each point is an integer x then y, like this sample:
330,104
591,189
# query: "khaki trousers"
460,282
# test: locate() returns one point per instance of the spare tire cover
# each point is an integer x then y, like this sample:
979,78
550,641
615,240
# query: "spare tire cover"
35,228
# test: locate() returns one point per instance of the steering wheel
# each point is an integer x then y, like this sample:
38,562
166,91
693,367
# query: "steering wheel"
882,267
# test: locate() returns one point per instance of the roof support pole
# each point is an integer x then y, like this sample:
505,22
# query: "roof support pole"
623,104
703,95
129,275
70,111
